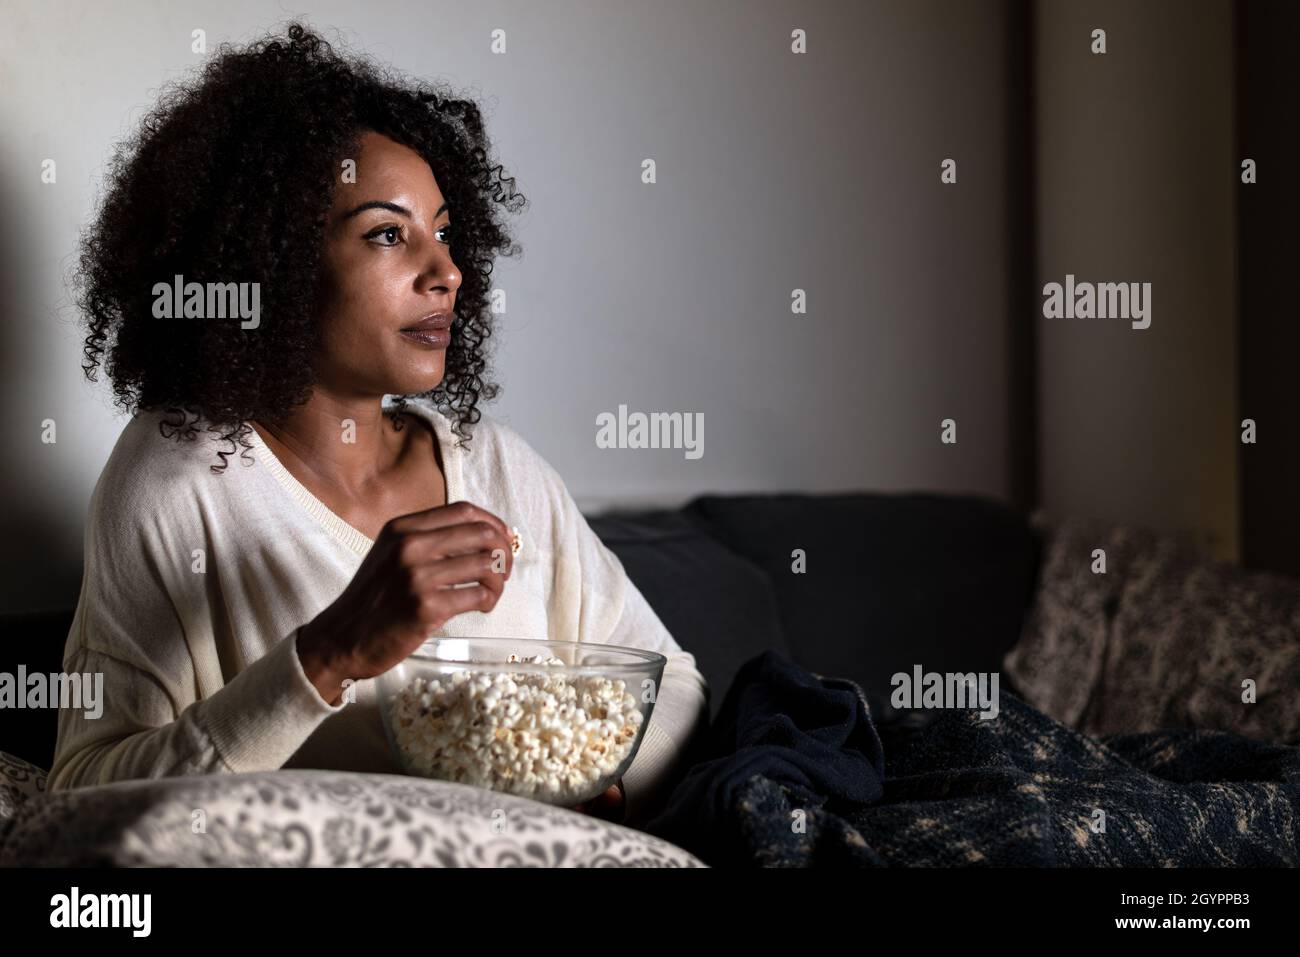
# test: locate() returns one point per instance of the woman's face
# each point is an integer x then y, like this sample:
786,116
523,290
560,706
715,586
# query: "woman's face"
389,268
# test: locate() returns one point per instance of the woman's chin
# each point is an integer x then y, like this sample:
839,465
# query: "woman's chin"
422,378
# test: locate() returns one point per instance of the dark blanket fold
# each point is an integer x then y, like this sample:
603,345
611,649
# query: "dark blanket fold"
795,772
784,726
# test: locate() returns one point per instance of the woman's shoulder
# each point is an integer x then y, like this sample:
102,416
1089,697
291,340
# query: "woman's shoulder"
503,472
492,443
156,463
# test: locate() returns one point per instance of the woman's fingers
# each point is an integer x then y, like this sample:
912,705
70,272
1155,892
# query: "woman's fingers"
457,513
607,805
436,545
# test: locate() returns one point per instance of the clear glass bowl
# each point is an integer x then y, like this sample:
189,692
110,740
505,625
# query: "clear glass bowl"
557,733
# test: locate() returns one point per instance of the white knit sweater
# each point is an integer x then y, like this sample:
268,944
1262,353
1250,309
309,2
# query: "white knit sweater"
196,583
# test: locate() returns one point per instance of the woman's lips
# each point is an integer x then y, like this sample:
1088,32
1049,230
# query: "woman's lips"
431,337
433,331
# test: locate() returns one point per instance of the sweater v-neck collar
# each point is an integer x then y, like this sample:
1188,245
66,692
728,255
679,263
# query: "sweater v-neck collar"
355,539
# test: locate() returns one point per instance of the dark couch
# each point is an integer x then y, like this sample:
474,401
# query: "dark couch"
889,580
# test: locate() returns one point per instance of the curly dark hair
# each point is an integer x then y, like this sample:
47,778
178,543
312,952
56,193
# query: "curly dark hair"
205,189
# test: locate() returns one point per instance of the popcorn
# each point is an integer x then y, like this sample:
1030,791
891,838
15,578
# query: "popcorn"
548,737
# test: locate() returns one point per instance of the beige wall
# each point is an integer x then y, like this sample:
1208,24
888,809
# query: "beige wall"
1136,182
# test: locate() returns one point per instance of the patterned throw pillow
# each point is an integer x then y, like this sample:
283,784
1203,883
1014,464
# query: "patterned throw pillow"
19,783
302,818
1164,638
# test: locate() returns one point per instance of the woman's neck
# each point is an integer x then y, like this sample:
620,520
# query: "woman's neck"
348,446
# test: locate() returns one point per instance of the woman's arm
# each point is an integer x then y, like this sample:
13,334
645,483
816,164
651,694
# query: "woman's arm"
613,611
253,723
681,708
592,599
147,621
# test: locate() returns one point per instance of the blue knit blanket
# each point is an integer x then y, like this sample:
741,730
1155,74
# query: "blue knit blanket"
795,772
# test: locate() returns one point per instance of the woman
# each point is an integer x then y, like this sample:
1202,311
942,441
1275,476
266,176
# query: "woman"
288,286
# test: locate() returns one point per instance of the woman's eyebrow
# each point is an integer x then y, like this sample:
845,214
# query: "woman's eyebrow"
384,204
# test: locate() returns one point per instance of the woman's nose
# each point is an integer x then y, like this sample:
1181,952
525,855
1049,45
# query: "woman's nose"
441,271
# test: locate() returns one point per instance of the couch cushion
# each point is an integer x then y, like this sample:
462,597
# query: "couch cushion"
716,604
36,642
892,580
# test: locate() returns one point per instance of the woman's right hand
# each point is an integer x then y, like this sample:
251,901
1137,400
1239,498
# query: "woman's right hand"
403,590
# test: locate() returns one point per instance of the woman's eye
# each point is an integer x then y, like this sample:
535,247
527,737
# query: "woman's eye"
445,229
395,232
